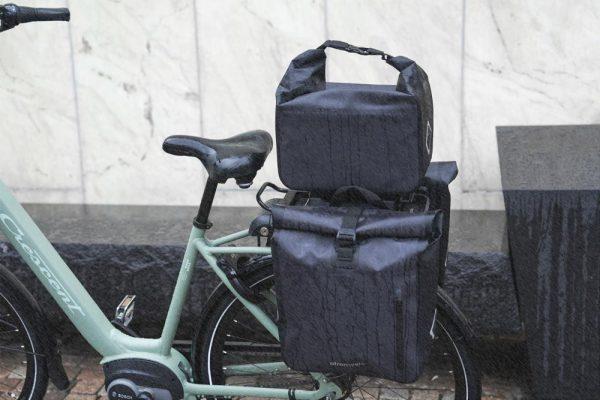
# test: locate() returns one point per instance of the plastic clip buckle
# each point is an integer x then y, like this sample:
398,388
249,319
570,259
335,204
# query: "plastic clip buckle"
346,238
358,50
368,51
345,244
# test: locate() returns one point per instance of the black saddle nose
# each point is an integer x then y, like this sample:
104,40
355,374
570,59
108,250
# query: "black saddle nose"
239,157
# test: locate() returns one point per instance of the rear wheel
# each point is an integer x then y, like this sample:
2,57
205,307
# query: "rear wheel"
23,371
230,337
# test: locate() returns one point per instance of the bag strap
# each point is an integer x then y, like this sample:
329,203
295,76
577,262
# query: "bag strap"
363,51
306,73
345,240
356,195
399,63
410,202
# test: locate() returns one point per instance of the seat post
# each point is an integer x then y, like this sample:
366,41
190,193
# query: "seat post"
201,221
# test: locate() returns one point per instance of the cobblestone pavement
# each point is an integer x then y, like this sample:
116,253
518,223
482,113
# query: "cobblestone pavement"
82,366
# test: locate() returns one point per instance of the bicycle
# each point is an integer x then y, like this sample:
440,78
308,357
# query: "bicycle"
235,349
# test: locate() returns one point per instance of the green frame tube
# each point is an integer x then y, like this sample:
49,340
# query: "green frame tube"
112,344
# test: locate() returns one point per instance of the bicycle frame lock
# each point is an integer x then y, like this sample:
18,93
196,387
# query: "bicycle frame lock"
112,344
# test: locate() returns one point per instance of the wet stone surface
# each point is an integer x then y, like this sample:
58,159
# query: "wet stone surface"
119,250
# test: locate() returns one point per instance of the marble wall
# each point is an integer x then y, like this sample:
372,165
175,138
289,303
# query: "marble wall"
85,106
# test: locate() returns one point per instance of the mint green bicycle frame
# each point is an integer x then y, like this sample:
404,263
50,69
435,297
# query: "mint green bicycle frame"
111,343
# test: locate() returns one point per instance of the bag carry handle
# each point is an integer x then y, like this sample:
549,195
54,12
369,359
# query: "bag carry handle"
306,73
363,51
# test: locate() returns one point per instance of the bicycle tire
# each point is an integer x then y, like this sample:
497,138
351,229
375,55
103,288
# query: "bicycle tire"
20,328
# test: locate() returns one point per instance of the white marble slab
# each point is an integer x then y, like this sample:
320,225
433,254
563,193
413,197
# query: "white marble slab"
39,159
137,82
526,63
245,48
145,70
429,32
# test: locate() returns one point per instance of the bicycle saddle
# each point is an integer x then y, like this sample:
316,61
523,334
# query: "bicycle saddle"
239,157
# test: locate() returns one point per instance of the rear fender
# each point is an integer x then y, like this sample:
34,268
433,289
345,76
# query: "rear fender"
449,307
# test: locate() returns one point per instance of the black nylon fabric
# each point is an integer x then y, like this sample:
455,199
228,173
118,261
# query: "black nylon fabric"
437,179
554,238
344,134
371,318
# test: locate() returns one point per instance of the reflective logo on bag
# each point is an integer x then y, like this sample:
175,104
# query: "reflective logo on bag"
429,138
347,365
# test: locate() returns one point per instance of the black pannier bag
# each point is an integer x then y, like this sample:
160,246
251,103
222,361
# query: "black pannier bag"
331,135
356,289
434,192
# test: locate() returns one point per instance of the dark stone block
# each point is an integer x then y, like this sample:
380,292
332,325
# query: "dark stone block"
119,250
479,275
109,272
482,286
552,193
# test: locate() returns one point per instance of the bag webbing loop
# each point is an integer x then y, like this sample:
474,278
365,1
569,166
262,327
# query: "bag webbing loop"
363,51
345,240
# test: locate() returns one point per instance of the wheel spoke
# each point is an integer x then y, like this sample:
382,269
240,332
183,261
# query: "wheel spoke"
400,396
361,386
236,321
251,348
245,362
13,350
250,340
243,338
16,350
8,324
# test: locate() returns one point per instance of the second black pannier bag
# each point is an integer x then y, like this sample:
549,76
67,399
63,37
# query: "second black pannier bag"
356,289
434,187
331,135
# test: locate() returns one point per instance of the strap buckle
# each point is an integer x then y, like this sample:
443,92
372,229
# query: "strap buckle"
367,51
411,200
346,238
358,50
345,244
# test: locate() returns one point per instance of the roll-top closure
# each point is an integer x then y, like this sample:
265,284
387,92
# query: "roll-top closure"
372,223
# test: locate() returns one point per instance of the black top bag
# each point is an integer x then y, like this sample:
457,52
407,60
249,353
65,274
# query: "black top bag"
356,289
337,134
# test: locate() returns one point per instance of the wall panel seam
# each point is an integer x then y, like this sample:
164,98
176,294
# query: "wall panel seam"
198,66
462,115
77,115
326,18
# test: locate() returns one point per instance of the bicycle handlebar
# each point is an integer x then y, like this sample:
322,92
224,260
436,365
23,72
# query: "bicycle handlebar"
12,15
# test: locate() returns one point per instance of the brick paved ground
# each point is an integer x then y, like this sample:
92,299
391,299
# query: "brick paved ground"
81,363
